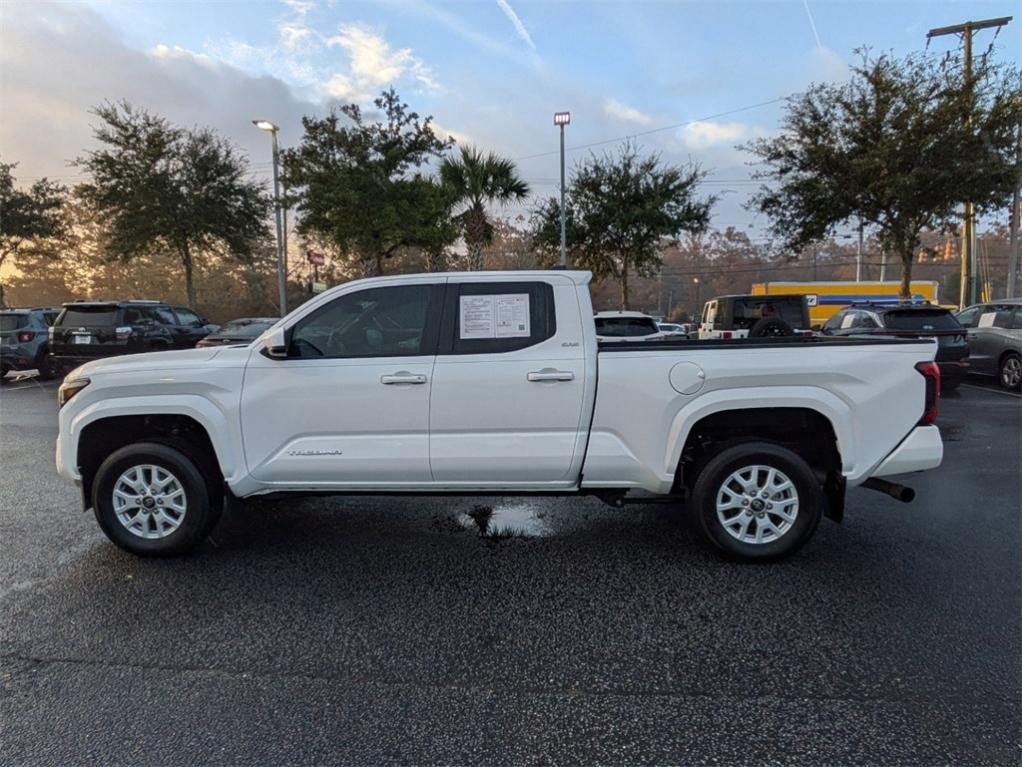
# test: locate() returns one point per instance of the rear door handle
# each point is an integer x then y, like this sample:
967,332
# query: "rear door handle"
551,375
403,378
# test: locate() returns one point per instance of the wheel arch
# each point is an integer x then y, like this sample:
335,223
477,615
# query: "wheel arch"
184,422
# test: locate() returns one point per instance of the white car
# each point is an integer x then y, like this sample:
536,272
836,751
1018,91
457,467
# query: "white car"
493,383
675,329
620,325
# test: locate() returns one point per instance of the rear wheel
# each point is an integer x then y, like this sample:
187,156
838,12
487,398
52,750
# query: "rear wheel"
757,501
1010,373
153,500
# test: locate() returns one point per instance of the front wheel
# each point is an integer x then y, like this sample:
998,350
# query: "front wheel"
1010,373
757,501
153,500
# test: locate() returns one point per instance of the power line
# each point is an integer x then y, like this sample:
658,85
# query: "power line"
654,130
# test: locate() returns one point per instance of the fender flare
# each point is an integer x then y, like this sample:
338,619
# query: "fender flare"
199,409
817,399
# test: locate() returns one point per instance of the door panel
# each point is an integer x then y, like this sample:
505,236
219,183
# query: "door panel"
335,421
508,417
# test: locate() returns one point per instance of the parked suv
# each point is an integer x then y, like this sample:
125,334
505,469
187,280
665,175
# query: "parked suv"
747,316
24,340
88,330
994,333
913,320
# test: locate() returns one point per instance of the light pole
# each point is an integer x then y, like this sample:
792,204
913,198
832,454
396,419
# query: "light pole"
562,119
698,309
270,128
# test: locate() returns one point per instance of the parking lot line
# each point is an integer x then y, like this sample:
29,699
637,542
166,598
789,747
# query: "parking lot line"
993,391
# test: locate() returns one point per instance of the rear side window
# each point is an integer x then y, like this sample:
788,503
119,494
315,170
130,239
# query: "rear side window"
921,319
187,316
1001,316
89,316
13,321
626,326
496,317
749,311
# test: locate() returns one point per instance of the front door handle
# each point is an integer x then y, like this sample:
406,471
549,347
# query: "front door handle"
551,375
403,378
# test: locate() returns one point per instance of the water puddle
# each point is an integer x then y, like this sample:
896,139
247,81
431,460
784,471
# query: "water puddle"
496,524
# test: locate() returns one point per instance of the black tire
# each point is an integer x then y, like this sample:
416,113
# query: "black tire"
45,365
200,516
771,327
809,502
1008,372
4,370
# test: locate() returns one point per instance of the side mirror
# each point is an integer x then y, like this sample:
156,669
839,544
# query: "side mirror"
274,343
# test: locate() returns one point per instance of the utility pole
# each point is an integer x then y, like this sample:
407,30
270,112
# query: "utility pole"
1016,211
967,292
561,119
858,256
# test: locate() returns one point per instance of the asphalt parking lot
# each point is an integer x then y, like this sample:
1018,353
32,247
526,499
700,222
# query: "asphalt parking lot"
380,631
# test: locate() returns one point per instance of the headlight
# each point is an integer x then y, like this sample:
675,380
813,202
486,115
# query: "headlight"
70,388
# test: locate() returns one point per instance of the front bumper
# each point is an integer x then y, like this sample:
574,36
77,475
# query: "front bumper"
922,449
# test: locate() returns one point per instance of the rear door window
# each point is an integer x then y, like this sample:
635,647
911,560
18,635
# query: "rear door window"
13,321
89,316
496,317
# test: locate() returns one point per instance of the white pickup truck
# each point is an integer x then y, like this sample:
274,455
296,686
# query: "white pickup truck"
494,383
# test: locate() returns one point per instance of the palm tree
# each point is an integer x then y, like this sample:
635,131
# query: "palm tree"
474,181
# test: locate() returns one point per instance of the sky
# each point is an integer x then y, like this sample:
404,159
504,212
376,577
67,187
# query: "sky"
691,80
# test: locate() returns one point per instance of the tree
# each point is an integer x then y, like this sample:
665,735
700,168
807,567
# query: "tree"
161,189
474,181
620,210
28,218
357,184
898,147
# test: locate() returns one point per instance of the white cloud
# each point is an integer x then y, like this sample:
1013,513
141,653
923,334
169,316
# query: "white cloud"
625,113
293,33
300,7
703,135
373,64
520,29
828,64
170,52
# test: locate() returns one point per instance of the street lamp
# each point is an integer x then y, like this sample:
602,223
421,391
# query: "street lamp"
266,125
561,119
695,281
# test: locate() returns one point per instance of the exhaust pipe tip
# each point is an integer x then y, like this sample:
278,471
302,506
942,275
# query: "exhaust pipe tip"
893,489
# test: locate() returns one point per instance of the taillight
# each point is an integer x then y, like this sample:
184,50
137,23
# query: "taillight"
931,373
725,334
25,336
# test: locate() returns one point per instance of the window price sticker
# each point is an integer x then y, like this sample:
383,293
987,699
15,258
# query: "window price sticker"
499,316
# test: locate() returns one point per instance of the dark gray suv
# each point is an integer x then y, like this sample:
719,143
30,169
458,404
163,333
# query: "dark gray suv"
994,333
24,340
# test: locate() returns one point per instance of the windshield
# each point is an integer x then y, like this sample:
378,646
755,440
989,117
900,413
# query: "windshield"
89,316
12,321
244,328
921,319
626,326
